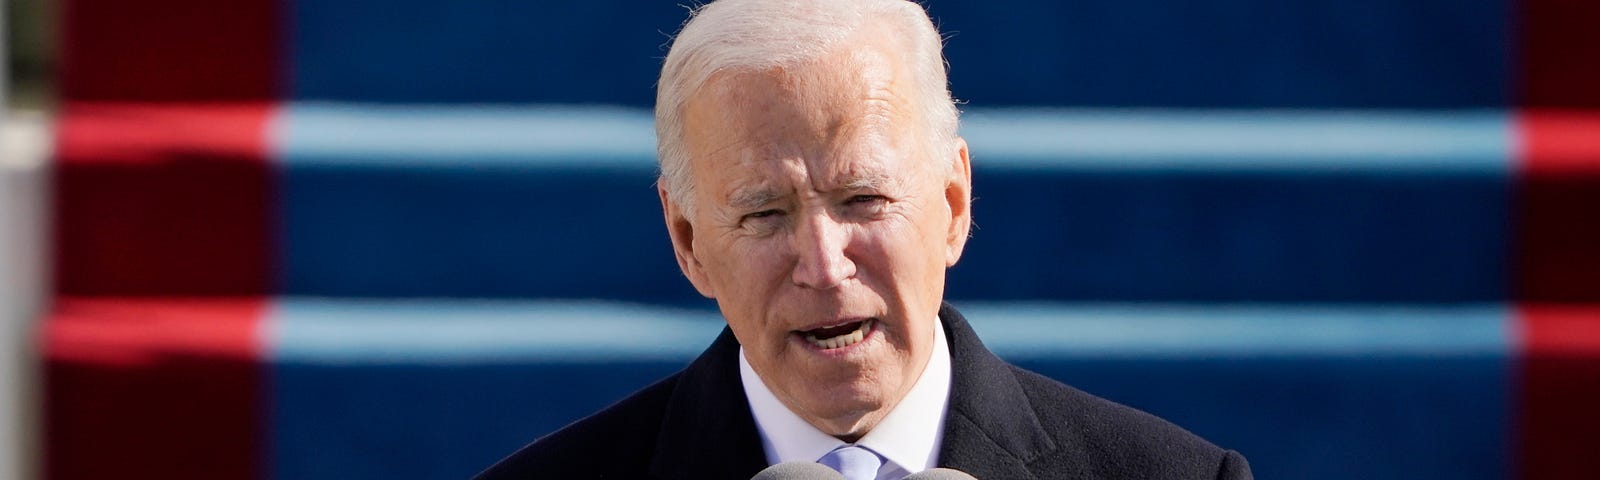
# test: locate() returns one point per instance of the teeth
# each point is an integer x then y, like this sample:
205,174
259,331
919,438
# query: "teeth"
842,341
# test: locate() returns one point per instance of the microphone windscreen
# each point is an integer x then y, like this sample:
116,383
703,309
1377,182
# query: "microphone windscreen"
940,474
798,471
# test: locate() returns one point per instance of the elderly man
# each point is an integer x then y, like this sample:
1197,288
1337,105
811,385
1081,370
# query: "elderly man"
814,185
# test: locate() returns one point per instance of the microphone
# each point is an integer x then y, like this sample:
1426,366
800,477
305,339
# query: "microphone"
798,471
940,474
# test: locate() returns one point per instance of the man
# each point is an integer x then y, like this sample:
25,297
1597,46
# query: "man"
813,184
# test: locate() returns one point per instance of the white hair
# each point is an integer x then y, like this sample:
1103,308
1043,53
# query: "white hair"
758,35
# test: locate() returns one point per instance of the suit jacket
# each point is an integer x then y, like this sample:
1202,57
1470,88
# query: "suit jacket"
1003,422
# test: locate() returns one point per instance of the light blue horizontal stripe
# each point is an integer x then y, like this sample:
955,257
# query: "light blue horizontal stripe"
610,137
1470,141
566,136
1132,330
389,331
375,331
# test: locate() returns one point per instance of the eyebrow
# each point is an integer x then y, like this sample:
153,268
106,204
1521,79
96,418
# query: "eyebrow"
870,181
748,198
755,197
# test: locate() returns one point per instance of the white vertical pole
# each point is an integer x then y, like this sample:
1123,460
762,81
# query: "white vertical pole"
23,187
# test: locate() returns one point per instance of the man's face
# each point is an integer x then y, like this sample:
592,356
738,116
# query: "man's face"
826,215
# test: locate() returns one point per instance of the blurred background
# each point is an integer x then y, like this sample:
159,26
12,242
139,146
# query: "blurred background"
324,239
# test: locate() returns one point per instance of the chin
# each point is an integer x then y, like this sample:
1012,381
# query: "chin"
849,425
848,409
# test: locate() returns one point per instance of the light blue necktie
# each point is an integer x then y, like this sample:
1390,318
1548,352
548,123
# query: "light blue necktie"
854,461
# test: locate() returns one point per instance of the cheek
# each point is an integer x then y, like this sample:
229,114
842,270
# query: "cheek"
744,274
889,253
747,270
903,255
920,234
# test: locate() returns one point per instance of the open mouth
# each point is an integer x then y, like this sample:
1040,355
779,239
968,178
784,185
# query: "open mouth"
839,336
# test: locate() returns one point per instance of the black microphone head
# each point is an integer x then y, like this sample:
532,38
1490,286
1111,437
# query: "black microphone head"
940,474
798,471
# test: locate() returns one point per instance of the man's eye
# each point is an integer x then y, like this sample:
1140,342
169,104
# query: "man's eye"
859,199
762,214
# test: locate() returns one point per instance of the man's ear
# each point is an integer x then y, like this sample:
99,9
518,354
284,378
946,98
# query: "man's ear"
958,196
682,233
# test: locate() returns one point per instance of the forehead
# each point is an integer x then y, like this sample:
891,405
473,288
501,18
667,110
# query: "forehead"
816,102
839,119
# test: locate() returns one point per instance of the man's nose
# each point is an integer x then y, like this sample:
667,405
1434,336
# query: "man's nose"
820,243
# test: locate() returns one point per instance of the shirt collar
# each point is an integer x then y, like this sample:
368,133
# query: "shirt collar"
909,436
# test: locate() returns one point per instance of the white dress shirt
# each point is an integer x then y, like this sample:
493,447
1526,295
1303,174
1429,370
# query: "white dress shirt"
908,438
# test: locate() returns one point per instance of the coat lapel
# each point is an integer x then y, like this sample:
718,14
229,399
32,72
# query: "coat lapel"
709,431
991,430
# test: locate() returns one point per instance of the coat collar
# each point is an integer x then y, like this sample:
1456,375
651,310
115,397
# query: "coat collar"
708,431
991,430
